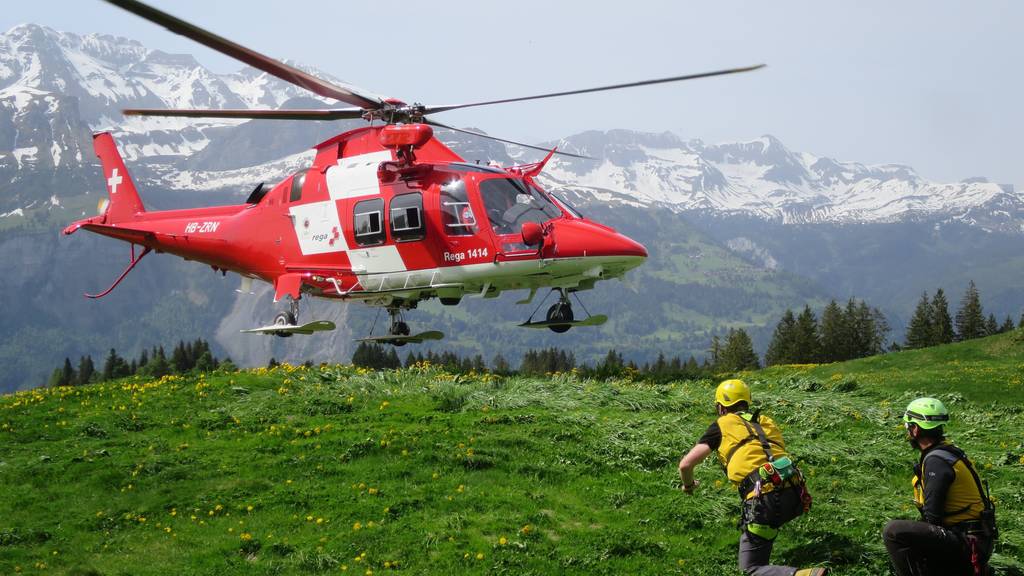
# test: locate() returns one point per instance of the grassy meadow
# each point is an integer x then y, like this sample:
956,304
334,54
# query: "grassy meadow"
339,470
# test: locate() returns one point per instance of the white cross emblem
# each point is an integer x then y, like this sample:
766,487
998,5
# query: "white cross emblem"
114,180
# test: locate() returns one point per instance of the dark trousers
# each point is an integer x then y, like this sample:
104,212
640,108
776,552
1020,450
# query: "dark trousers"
755,555
923,549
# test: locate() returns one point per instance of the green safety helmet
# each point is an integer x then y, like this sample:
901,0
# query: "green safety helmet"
927,413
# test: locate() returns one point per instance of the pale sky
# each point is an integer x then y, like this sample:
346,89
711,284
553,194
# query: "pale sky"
932,84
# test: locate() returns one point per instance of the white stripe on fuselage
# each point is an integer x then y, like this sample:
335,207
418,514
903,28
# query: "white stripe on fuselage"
376,260
356,175
317,227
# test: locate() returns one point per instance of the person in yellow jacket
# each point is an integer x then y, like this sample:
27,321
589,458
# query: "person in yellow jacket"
751,449
957,529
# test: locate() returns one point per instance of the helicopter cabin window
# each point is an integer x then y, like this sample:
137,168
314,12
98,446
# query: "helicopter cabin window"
407,217
512,202
369,222
456,212
297,182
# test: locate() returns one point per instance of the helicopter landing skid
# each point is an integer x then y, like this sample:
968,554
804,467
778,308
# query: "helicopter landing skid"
279,329
591,321
398,340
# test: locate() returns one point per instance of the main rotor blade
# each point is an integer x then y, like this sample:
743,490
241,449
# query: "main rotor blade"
481,135
434,109
326,114
269,65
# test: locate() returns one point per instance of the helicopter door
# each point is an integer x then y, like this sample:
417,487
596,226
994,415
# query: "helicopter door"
464,242
510,203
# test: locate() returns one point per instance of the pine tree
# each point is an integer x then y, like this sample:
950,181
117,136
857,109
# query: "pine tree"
1021,323
660,366
991,325
738,353
55,377
881,324
1007,325
833,333
226,365
859,329
179,359
85,370
391,359
500,365
158,367
67,374
942,323
922,330
715,353
807,344
782,348
612,365
205,362
970,318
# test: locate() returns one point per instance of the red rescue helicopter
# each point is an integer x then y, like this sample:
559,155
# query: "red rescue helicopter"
386,214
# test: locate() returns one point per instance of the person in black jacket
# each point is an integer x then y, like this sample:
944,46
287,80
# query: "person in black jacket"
957,529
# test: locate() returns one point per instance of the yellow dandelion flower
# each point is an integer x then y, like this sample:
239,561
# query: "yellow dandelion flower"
479,555
502,541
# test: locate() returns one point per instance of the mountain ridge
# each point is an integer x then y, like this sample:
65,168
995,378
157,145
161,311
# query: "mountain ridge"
40,67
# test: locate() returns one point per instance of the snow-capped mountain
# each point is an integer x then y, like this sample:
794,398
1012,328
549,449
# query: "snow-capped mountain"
765,179
56,87
101,74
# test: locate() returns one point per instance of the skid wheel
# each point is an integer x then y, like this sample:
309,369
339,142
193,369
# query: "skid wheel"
560,312
399,329
284,319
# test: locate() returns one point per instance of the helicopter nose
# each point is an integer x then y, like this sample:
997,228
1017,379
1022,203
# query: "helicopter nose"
586,239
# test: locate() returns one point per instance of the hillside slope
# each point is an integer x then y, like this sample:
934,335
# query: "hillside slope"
341,470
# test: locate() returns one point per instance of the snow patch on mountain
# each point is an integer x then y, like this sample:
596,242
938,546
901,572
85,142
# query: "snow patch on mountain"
763,178
241,180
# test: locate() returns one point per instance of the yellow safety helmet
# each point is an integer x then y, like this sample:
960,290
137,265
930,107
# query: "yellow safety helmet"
730,392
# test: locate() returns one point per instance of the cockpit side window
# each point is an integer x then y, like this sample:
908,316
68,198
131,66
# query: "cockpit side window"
511,202
457,216
369,222
297,182
407,217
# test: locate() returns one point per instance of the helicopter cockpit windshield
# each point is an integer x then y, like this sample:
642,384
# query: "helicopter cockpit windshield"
512,202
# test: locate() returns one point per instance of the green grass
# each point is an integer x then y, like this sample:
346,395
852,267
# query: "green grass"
336,470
